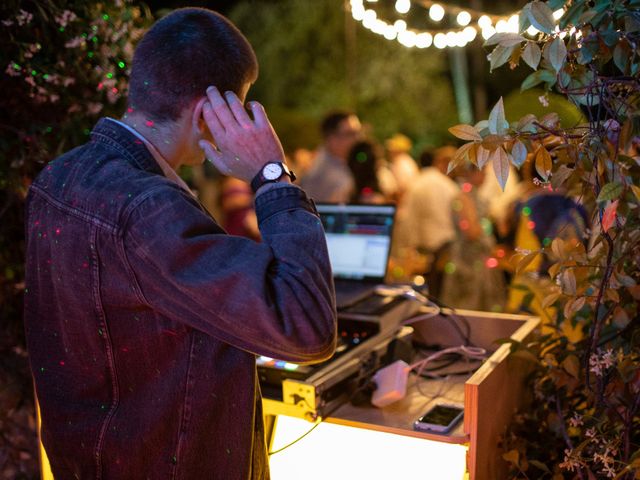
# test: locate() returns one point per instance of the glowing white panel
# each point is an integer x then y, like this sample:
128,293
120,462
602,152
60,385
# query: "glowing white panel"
336,452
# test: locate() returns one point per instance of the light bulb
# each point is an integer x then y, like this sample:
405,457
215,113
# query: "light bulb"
424,40
452,39
470,34
400,26
484,22
390,32
440,40
502,26
488,32
403,6
436,12
463,18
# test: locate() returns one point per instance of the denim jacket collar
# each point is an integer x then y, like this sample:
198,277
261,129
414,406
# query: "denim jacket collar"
127,144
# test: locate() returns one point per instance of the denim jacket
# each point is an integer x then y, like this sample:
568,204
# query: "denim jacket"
143,317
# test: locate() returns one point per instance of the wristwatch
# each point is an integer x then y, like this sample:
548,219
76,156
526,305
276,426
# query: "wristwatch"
271,172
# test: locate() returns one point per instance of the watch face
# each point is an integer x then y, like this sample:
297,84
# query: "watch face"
272,171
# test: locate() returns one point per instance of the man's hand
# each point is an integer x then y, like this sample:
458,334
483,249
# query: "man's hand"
243,145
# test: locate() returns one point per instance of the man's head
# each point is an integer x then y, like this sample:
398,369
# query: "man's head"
174,63
181,55
340,131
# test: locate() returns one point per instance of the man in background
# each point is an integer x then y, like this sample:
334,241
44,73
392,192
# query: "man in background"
330,179
143,316
429,203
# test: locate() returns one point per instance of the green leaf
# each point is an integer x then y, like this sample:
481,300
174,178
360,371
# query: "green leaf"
500,162
541,17
506,39
519,153
610,191
610,37
465,132
557,53
499,56
621,56
538,77
531,54
497,122
571,16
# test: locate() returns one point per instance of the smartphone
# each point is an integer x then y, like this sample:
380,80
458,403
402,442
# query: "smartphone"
439,419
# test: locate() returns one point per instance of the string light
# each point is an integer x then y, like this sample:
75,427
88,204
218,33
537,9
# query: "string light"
403,6
463,18
436,12
484,24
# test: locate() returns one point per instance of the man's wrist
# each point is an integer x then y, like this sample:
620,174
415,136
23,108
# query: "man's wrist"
283,180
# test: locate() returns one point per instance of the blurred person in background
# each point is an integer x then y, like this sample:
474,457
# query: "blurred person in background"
429,213
364,162
402,166
330,179
540,215
471,278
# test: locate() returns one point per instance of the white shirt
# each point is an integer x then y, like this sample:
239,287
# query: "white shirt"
429,211
169,172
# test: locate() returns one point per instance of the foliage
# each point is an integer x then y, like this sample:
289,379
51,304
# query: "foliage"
310,70
62,65
587,380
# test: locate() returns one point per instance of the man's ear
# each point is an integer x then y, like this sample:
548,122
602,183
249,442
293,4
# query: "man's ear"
197,122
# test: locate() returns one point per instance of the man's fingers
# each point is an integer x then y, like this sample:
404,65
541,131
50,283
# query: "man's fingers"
259,115
221,108
211,118
241,115
214,156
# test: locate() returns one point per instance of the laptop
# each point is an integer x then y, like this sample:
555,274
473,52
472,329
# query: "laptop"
359,242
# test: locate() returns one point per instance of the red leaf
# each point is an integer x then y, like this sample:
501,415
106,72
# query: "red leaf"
609,215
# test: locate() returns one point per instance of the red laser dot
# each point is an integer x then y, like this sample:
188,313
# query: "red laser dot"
500,253
531,225
491,262
149,123
467,187
464,224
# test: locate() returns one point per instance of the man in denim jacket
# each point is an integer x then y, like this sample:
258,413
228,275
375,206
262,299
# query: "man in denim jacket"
143,316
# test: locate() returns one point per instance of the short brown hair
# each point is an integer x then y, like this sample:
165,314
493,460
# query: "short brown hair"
181,55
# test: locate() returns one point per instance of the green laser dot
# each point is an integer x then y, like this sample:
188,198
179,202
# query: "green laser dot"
121,64
34,73
16,66
94,39
105,17
61,29
109,75
526,211
90,54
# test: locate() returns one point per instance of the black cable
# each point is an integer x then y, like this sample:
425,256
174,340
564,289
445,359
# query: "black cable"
466,337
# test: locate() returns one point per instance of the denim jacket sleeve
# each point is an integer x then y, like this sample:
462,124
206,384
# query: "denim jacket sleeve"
274,298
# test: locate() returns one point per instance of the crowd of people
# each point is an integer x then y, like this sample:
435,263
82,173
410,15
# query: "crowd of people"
455,231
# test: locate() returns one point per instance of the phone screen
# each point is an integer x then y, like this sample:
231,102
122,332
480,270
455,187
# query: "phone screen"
440,415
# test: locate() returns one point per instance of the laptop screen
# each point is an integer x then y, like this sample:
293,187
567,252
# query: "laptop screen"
358,239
